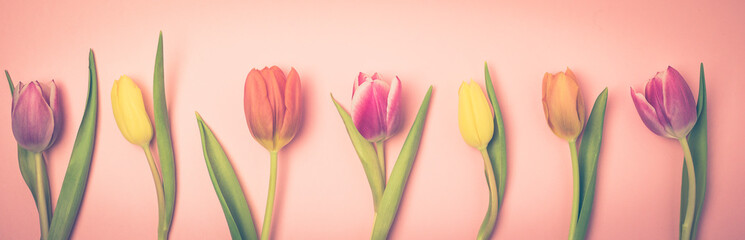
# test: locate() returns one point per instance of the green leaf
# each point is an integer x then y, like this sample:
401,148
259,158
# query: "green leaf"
699,151
589,151
76,176
163,135
367,155
397,182
27,164
497,147
226,184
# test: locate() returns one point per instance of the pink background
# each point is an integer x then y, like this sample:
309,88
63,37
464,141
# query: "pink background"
322,191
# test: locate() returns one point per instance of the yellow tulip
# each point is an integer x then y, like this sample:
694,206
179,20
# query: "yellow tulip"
563,105
474,115
129,112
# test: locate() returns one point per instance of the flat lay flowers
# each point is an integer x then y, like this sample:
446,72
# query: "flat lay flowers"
361,120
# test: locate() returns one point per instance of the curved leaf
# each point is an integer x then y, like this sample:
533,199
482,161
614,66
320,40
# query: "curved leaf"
226,184
400,175
163,135
367,155
76,176
497,147
699,151
27,165
589,151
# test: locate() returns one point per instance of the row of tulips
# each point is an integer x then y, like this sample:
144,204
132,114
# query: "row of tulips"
273,109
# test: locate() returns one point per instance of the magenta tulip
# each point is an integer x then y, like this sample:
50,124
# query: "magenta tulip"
667,106
35,115
375,107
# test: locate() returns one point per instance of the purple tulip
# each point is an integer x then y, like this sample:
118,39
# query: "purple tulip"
35,115
375,107
667,106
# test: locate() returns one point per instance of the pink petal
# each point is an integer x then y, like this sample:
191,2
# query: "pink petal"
366,111
360,79
32,119
679,105
655,97
393,120
648,114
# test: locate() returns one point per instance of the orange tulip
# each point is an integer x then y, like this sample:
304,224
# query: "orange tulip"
563,105
272,106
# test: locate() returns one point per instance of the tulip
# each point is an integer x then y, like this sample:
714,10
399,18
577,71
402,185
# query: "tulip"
563,105
129,112
36,117
375,107
565,113
272,106
667,107
474,116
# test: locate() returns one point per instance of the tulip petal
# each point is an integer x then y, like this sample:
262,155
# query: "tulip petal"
275,85
360,79
129,112
376,76
292,100
648,114
393,119
655,97
32,119
366,110
53,98
561,99
474,115
258,109
679,105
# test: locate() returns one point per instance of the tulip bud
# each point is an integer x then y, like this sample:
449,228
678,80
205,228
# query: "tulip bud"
475,118
667,106
272,106
375,107
563,105
129,112
36,117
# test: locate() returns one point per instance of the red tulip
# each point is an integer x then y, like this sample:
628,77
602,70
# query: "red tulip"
272,105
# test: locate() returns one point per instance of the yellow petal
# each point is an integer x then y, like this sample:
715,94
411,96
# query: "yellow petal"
475,118
129,112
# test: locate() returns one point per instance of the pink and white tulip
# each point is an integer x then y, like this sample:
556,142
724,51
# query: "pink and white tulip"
667,106
36,118
375,107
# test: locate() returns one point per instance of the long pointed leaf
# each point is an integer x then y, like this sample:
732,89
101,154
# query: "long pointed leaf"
227,187
589,151
367,155
76,176
400,175
699,151
163,134
497,147
27,165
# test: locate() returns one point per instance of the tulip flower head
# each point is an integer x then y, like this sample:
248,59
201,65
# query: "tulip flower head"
475,118
667,106
375,107
563,104
129,112
272,104
36,117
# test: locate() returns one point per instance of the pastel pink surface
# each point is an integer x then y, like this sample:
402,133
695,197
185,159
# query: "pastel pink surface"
322,189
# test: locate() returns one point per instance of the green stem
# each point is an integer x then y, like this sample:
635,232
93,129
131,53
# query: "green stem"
267,227
575,195
688,221
487,226
41,196
381,159
162,229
